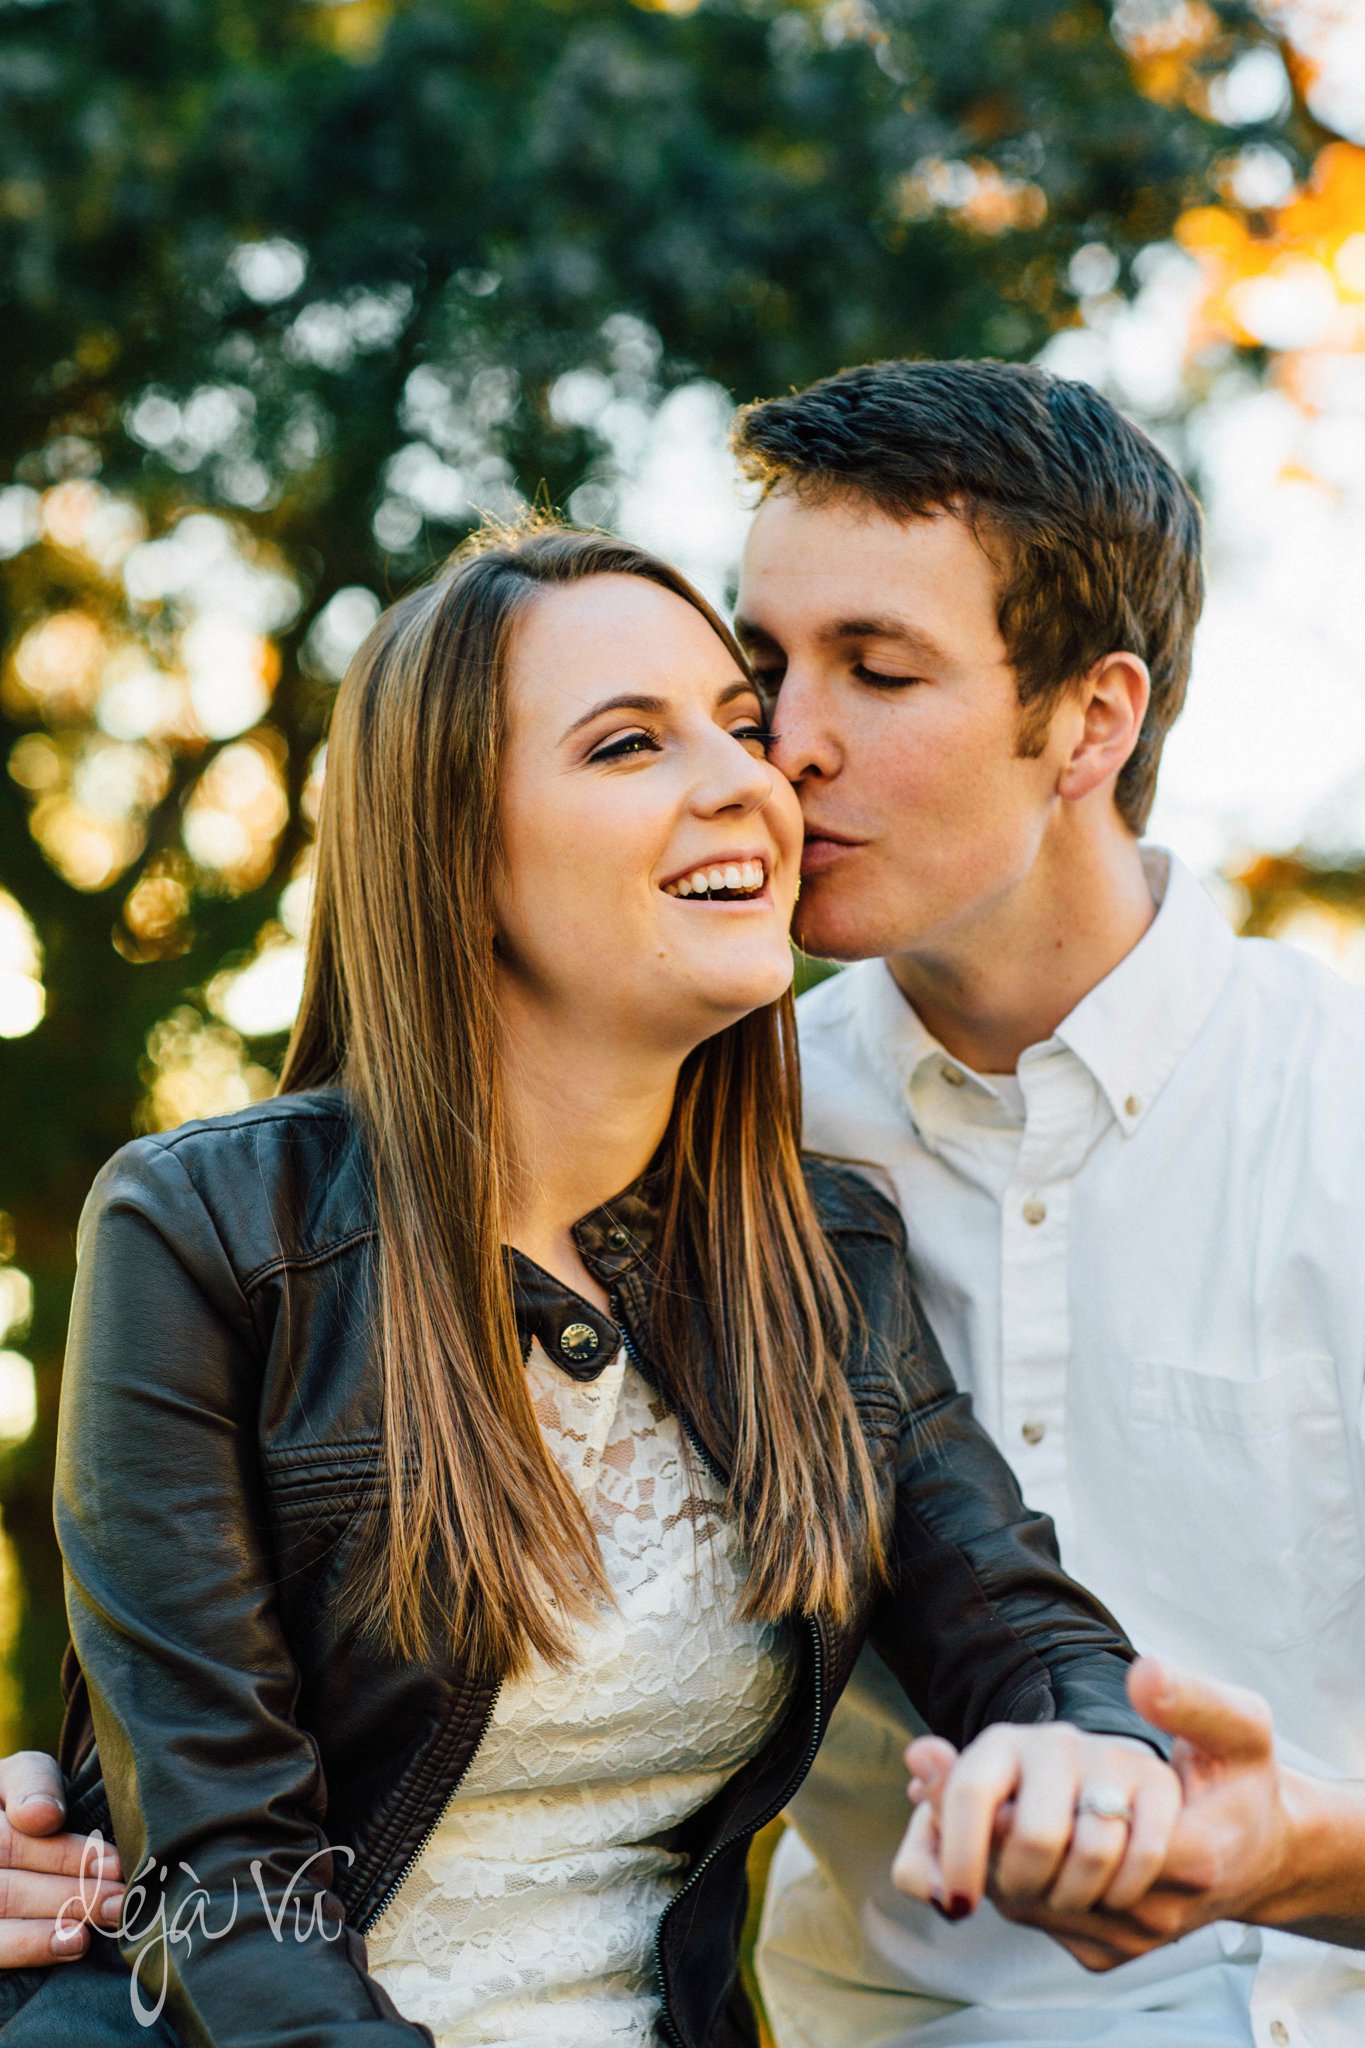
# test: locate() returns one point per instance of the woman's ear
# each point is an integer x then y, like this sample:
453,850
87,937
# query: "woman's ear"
1114,696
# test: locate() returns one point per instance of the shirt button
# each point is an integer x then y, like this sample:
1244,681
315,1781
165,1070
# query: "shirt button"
579,1341
1279,2033
1035,1209
954,1076
1033,1432
1134,1105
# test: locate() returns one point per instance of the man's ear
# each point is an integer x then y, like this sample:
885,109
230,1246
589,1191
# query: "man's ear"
1113,697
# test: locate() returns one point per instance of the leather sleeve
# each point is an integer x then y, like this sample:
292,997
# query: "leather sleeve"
980,1622
216,1792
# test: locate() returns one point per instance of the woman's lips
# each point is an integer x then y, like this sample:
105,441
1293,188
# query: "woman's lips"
821,853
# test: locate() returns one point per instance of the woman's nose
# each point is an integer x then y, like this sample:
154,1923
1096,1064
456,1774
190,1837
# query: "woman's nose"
735,780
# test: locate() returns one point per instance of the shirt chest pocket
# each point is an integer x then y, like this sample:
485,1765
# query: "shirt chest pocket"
1245,1496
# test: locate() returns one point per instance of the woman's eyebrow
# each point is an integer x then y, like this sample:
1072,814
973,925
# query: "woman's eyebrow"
629,700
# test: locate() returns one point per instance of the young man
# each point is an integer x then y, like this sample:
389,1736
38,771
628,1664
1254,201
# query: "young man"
1130,1153
1124,1144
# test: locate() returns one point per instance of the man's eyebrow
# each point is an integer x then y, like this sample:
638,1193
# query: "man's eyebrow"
654,707
880,626
885,626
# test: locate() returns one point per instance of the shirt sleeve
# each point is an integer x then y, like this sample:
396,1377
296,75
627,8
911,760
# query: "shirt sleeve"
215,1791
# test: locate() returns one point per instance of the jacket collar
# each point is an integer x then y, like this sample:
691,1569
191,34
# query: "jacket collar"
612,1241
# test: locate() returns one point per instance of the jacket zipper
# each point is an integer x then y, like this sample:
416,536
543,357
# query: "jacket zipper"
402,1877
668,2028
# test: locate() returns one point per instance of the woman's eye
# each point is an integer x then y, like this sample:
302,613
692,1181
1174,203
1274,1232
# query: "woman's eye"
629,743
878,681
762,736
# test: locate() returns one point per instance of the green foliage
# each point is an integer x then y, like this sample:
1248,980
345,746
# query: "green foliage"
342,274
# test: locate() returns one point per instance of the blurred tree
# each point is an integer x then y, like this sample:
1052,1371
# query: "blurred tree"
289,289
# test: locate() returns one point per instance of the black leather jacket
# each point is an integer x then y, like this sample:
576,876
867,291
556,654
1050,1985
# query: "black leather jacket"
220,1428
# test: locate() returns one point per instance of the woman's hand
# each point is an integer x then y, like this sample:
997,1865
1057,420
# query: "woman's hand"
1043,1816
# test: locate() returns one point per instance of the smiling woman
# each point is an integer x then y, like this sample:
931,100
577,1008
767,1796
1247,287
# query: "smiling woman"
481,1465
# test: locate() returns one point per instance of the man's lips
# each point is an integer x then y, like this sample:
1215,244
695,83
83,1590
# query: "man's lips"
824,850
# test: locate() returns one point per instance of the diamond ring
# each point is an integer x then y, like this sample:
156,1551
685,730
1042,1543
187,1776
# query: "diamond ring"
1106,1802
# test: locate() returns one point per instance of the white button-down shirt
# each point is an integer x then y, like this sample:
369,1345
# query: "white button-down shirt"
1145,1257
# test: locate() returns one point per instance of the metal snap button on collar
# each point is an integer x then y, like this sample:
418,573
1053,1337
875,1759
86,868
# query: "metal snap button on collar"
579,1341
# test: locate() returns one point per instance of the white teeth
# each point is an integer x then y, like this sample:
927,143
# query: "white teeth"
745,877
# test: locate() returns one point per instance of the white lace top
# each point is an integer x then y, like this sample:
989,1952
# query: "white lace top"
530,1916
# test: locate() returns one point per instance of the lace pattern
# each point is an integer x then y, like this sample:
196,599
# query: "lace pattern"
529,1919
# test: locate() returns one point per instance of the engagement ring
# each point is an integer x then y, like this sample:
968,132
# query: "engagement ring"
1106,1802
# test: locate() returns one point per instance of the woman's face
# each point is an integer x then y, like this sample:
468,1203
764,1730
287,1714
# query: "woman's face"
651,854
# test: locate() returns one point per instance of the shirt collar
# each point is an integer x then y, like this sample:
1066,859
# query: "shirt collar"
1129,1032
1135,1026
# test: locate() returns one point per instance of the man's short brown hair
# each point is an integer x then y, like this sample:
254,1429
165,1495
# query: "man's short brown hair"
1094,535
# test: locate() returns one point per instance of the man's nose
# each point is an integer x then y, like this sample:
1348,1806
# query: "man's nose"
805,746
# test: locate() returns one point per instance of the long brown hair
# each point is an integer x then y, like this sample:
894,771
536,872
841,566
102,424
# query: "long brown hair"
485,1548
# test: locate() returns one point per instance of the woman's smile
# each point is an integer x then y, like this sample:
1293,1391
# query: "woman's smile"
735,878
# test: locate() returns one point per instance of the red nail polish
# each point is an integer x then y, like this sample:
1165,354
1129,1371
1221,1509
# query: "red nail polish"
959,1906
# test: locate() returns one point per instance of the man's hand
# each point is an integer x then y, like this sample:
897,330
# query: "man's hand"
1255,1841
41,1869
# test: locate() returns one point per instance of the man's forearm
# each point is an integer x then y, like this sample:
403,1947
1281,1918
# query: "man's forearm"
1324,1896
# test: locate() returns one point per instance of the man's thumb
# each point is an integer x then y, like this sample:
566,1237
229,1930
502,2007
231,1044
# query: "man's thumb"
1225,1722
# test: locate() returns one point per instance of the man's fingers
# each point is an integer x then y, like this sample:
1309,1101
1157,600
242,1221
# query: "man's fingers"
63,1855
32,1944
1092,1955
36,1895
32,1794
1224,1721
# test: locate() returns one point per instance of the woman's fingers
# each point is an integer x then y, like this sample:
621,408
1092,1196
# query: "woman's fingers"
1098,1846
1126,1806
1030,1855
1156,1810
915,1870
929,1759
983,1778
